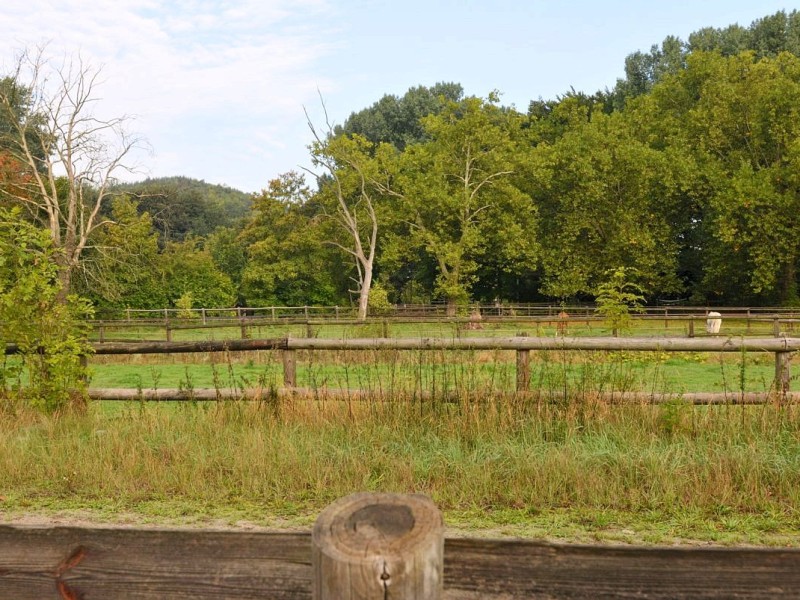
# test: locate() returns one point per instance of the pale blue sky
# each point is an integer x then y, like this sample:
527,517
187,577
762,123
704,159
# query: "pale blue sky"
218,86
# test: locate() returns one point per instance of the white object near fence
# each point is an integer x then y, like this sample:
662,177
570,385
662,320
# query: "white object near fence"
713,322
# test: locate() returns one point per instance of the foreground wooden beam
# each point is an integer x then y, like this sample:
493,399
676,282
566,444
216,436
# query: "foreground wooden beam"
69,562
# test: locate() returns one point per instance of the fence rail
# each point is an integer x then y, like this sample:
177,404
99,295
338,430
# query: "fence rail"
781,347
71,562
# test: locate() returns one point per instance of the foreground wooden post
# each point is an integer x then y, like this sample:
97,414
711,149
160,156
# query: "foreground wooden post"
376,546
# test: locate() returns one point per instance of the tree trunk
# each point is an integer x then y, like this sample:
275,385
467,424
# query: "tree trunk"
452,306
363,296
65,281
788,283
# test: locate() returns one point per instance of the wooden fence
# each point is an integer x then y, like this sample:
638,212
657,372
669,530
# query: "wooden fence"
781,347
692,321
277,313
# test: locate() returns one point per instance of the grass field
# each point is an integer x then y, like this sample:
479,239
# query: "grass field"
579,469
407,371
576,471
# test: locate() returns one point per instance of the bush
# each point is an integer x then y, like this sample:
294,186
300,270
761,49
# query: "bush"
48,327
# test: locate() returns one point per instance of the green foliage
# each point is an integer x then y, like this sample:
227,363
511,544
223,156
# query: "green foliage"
397,121
49,330
462,198
189,269
181,207
123,266
618,297
287,264
379,304
184,305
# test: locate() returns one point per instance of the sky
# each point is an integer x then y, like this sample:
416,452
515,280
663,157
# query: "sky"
219,89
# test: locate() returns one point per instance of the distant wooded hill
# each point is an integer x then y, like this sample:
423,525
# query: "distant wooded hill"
180,206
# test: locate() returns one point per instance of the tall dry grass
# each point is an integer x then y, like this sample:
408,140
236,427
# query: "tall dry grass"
292,455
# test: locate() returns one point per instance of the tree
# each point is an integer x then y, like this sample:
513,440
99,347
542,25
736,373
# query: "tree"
460,197
70,154
50,333
123,264
398,121
617,297
188,269
286,263
737,119
605,201
348,196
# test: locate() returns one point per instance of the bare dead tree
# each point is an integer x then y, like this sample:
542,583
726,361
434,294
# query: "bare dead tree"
71,156
354,210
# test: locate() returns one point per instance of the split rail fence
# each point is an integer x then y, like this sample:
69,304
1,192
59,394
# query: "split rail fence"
781,347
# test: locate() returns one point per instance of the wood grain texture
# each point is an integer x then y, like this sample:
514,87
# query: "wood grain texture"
378,546
71,563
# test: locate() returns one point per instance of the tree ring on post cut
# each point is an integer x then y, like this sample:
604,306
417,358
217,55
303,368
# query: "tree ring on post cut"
379,545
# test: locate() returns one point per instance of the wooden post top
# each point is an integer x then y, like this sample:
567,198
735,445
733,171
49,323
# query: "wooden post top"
379,545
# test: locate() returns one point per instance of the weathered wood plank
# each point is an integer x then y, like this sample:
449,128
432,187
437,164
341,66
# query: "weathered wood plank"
67,563
512,569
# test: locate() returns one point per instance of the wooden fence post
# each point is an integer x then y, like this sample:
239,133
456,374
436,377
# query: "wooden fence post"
523,367
783,375
203,314
776,326
167,327
691,327
242,323
289,368
378,546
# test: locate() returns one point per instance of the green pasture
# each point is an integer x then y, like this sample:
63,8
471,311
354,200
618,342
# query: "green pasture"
487,371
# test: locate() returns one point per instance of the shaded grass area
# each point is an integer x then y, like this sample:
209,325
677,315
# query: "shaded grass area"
578,470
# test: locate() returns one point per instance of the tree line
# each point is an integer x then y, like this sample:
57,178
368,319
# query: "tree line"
683,176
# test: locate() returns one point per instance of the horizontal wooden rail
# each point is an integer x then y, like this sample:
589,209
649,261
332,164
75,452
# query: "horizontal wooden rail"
782,347
646,344
650,344
219,394
72,562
